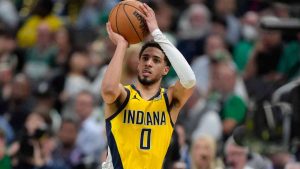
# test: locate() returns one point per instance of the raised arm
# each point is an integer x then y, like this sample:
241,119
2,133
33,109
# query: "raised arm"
183,89
111,88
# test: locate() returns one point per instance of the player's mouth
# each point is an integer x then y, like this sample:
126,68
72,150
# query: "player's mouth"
146,72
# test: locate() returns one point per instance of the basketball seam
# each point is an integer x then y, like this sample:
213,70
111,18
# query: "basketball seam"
133,7
117,19
131,22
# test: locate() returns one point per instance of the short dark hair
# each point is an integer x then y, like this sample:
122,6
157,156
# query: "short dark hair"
155,45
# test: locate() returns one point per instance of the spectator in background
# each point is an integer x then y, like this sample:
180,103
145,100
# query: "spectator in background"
219,27
200,117
43,153
106,48
249,32
289,63
183,145
45,101
66,141
226,97
194,22
236,156
89,15
64,46
232,107
64,43
8,13
37,144
40,58
262,80
193,26
225,9
23,149
98,56
8,64
8,61
5,161
75,80
280,157
207,121
90,141
267,51
27,34
215,49
202,64
203,154
17,107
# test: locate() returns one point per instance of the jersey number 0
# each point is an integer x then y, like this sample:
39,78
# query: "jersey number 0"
145,139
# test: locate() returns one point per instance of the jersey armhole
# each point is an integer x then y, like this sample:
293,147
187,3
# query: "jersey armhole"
168,106
121,107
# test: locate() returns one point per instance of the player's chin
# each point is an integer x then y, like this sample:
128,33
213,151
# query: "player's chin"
145,80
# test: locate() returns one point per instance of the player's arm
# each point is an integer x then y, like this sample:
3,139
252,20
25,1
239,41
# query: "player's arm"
182,90
112,90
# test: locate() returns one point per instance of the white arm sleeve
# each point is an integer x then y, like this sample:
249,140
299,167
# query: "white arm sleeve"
182,68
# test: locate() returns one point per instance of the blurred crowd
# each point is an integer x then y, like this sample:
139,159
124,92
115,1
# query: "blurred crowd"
244,113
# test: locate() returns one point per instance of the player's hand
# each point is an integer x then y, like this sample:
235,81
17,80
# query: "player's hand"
115,37
149,16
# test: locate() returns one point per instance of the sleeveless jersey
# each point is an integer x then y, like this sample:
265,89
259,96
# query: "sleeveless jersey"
139,133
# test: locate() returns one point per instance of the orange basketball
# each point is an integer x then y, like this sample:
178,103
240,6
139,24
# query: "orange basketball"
126,21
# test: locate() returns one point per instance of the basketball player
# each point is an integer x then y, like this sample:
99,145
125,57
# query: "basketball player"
140,117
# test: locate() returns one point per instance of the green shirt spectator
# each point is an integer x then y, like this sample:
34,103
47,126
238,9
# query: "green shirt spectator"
38,63
241,54
290,60
5,162
234,108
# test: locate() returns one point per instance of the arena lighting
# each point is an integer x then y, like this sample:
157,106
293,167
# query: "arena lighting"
281,24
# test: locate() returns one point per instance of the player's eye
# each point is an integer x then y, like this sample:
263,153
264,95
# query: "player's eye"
155,60
145,58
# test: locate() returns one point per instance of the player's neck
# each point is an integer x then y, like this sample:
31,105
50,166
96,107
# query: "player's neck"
148,91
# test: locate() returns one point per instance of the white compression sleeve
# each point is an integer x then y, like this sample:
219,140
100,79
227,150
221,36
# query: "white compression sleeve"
182,68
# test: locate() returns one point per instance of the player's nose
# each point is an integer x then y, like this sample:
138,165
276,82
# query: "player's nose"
149,62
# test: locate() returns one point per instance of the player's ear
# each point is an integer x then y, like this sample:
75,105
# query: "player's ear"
166,70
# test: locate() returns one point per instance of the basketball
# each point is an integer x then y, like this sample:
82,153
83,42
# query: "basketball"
126,21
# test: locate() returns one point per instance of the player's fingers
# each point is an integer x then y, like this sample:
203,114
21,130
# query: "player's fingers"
142,14
144,9
148,8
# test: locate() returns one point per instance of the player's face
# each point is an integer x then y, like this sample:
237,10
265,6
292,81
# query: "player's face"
152,66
